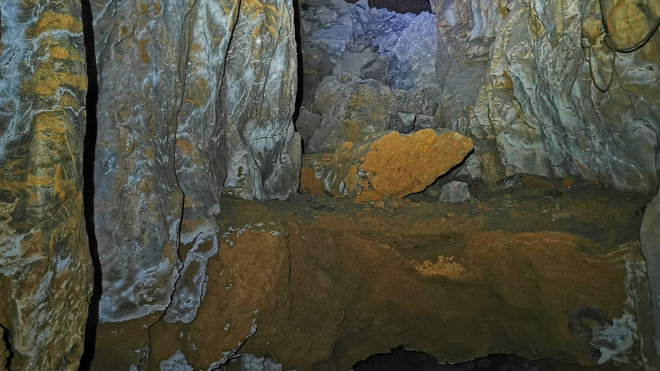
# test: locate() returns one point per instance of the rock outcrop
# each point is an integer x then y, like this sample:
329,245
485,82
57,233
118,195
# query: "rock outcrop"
565,89
375,74
542,109
197,99
320,284
390,165
45,264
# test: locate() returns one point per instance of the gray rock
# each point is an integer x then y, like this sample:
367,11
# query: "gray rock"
392,49
403,122
333,40
252,363
455,192
344,120
543,113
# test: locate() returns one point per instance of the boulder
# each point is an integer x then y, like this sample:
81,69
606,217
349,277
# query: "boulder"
455,192
392,165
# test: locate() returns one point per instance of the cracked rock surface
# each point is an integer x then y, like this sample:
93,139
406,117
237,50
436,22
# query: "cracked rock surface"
195,98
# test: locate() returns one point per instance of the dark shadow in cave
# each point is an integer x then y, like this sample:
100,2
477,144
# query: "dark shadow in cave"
402,7
89,148
8,350
299,59
401,359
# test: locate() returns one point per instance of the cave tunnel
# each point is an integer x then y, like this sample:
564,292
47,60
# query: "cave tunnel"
330,185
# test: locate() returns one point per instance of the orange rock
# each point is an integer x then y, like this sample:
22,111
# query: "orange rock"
309,183
393,165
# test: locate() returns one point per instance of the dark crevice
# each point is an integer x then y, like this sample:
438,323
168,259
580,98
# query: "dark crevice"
5,339
299,60
88,184
402,359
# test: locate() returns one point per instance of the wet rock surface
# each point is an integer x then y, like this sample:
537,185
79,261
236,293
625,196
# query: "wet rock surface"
197,99
319,283
391,165
45,264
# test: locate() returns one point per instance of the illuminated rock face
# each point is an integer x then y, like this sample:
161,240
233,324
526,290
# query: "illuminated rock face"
532,99
366,71
392,165
194,97
45,265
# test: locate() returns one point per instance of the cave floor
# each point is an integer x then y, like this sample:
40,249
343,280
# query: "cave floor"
328,282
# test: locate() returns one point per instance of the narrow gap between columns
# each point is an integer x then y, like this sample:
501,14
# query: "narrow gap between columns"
89,152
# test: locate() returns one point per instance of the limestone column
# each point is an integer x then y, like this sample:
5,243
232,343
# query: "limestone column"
45,265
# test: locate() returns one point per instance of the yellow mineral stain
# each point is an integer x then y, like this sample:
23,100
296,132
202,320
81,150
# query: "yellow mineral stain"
143,50
157,8
51,21
70,101
50,127
194,102
46,81
57,183
185,146
188,201
51,245
59,52
73,158
37,181
444,266
63,52
32,245
308,182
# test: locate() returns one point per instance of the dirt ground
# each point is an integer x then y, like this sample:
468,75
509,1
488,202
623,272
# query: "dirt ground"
533,267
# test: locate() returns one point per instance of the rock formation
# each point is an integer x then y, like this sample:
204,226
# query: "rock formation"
196,100
537,85
197,97
45,264
327,283
378,74
391,165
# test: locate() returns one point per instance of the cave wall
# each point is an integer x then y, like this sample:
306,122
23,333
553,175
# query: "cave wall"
521,78
45,264
541,108
535,85
197,98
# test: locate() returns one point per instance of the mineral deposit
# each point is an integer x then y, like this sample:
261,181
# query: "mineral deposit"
45,264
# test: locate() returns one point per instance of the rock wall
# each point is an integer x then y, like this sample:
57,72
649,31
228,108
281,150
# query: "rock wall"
45,264
541,107
536,84
196,97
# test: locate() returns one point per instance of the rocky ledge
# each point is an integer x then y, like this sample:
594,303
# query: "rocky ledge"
315,283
